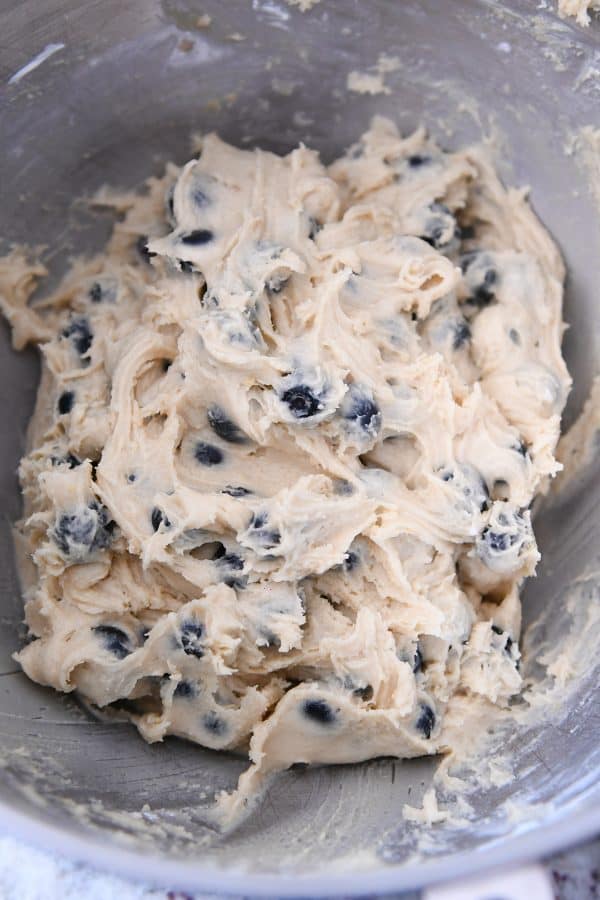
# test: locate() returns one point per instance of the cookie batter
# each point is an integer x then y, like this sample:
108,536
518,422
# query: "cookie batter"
289,429
580,9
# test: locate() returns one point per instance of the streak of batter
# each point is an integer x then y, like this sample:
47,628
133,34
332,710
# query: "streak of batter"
289,428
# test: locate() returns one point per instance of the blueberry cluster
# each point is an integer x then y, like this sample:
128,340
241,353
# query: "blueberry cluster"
84,531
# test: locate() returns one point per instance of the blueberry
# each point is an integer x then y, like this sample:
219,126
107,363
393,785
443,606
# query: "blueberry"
95,292
319,711
365,693
190,638
82,532
514,336
314,227
521,448
186,266
80,334
115,640
440,228
276,283
170,205
72,461
185,689
499,541
236,490
197,238
230,563
264,536
214,723
508,642
416,160
224,427
65,402
426,721
301,400
467,232
142,248
417,661
462,334
131,477
358,407
481,278
200,198
158,518
351,560
208,454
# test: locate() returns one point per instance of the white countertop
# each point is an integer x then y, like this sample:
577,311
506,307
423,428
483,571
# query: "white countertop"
29,874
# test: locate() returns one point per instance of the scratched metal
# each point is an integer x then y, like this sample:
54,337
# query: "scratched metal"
130,85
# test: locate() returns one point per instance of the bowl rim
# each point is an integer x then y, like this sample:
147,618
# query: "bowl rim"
158,870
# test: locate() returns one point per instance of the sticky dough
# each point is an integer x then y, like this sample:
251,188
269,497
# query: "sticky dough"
580,9
289,428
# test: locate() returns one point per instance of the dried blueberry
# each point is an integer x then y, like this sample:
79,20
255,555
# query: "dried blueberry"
467,232
191,638
229,564
319,711
276,283
95,292
440,227
351,560
208,454
79,533
462,334
426,720
65,402
365,693
359,407
185,689
170,205
236,490
200,198
301,400
158,518
80,334
142,248
265,537
115,640
214,723
481,278
508,641
416,160
224,427
197,238
314,227
521,448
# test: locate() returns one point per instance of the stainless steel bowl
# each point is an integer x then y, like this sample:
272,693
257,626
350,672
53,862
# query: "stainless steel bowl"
120,89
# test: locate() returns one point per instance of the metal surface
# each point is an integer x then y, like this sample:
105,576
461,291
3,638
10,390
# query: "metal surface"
123,94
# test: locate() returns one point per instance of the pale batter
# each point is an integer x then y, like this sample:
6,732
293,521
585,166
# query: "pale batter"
290,425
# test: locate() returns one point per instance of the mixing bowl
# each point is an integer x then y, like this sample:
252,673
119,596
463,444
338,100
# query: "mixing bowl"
105,92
